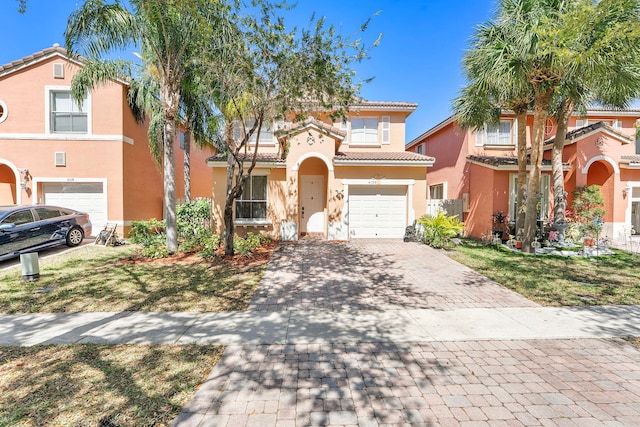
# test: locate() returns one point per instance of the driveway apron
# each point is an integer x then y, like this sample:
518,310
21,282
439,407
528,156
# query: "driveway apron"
348,380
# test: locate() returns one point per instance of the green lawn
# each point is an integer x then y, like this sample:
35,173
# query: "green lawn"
555,280
107,385
95,278
100,385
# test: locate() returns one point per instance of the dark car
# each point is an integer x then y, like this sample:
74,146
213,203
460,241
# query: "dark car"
32,228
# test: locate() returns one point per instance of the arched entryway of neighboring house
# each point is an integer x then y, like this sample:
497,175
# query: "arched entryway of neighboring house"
602,171
10,191
313,173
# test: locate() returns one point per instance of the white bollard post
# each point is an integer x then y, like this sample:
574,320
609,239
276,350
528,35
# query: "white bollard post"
30,267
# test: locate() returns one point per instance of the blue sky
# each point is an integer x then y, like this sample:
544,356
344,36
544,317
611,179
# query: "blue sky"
418,59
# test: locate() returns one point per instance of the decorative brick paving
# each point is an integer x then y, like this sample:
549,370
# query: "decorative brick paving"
462,383
374,275
543,382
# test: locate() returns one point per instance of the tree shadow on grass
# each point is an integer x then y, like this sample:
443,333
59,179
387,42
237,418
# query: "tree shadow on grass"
100,385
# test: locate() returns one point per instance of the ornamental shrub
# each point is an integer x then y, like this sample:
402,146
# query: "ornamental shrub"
438,231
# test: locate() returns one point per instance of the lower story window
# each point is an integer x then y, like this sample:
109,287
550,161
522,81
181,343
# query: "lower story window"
436,191
252,205
543,198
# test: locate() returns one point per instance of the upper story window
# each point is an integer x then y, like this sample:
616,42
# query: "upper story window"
364,130
67,116
266,133
614,123
496,135
420,148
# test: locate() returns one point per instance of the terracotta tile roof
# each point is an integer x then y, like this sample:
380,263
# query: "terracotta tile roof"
312,121
632,158
361,103
56,48
261,158
600,109
382,156
575,134
348,158
504,161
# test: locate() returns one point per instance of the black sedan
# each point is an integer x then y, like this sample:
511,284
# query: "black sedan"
26,229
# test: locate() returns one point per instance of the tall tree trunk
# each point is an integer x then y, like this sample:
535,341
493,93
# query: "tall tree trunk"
521,120
559,198
229,231
187,165
540,107
170,100
170,186
235,190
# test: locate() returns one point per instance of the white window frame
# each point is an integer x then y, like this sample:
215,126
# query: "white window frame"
482,135
4,111
616,124
443,185
48,90
265,141
420,148
580,123
344,126
365,131
545,190
249,183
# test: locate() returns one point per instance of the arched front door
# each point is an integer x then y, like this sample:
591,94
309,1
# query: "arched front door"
313,197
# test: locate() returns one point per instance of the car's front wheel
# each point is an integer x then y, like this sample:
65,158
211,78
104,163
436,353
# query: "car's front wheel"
75,236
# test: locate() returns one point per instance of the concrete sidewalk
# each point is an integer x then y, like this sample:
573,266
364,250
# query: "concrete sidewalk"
300,327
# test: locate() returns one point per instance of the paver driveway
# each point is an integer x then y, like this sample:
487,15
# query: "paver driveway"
374,275
475,383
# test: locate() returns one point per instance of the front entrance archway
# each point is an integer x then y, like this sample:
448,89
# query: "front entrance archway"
602,173
9,184
312,203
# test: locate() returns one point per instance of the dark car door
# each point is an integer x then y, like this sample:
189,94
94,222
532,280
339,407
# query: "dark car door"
52,226
16,232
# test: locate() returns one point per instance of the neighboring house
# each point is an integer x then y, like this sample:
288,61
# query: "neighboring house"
479,168
93,157
344,180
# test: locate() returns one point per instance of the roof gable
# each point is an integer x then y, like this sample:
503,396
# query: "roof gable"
579,134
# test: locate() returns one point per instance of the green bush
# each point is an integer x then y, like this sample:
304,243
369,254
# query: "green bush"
209,246
246,246
155,247
440,229
588,209
193,219
146,232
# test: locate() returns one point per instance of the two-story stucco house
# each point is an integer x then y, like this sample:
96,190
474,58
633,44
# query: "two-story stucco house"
339,181
480,167
93,157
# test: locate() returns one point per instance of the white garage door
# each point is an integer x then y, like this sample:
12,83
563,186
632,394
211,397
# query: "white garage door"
377,211
87,197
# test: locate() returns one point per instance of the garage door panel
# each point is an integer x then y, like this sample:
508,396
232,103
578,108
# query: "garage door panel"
87,197
377,211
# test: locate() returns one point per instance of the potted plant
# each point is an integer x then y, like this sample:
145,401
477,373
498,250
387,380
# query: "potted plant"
500,224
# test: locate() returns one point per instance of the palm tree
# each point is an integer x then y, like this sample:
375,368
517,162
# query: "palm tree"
554,44
590,34
168,33
497,82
